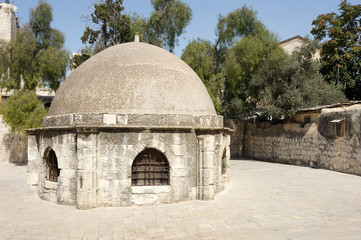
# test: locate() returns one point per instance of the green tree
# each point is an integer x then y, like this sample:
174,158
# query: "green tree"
36,54
5,61
79,58
284,84
341,52
232,28
111,26
200,56
167,22
23,110
208,60
246,72
242,62
138,24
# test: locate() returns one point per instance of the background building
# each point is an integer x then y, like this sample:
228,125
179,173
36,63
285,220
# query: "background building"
291,44
8,21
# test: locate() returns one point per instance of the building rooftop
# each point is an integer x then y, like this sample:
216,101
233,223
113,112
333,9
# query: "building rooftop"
334,105
133,78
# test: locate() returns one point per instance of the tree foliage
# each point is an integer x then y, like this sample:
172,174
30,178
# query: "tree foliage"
5,61
247,73
284,84
79,58
111,25
341,52
242,62
138,25
23,110
231,28
167,22
208,60
200,55
36,54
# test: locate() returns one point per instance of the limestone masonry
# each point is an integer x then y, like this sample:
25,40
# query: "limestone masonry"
132,125
324,137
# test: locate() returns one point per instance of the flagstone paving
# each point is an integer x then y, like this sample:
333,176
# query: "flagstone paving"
263,201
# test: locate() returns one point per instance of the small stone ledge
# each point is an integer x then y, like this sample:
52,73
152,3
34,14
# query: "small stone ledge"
116,128
149,195
50,185
150,189
154,120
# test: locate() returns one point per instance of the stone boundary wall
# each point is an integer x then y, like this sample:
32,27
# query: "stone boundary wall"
4,132
13,146
305,148
154,120
312,144
237,136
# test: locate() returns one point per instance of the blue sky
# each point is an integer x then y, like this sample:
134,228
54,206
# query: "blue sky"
286,18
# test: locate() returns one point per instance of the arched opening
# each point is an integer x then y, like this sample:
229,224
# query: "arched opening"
150,168
51,161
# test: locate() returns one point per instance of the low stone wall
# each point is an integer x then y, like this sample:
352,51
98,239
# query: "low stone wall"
13,146
312,144
4,132
237,136
17,147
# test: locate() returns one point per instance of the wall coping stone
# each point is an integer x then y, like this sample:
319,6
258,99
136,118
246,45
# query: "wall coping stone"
95,129
114,119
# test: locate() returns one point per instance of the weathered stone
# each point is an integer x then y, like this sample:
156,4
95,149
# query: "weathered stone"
110,119
120,115
314,144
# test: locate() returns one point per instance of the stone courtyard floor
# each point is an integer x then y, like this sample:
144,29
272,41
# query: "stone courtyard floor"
263,201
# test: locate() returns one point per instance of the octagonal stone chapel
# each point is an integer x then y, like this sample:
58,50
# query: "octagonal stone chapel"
134,124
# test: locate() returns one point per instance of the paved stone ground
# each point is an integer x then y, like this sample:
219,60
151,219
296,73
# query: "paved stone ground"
263,201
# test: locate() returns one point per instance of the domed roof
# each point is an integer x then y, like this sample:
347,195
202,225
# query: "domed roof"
133,78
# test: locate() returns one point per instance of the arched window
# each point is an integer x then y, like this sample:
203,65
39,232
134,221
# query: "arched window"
52,170
150,168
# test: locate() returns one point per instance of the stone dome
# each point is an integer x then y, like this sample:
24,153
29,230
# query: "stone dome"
133,78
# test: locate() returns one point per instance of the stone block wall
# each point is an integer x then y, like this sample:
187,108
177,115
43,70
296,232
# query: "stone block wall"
237,136
310,149
96,152
277,143
4,133
13,146
213,161
129,120
312,144
116,153
63,143
95,166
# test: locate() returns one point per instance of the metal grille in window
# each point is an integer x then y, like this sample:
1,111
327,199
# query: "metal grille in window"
53,171
150,168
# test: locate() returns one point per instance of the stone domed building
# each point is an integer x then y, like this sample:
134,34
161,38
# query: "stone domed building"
132,125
